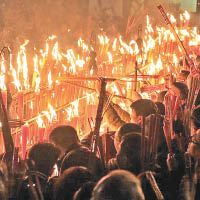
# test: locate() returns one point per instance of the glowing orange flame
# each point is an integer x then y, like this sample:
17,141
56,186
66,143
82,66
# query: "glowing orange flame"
40,122
50,82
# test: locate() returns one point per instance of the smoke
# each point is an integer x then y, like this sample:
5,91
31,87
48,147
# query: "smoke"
35,20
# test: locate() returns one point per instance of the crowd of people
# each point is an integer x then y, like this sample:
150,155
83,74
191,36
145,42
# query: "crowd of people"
67,168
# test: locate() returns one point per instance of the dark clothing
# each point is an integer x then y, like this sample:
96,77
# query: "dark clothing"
197,102
34,184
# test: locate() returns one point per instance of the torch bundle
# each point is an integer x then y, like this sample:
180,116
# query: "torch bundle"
149,141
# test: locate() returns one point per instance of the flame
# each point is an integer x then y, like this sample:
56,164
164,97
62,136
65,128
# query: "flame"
80,42
124,45
50,82
152,68
35,60
80,62
123,106
129,84
37,86
47,50
3,68
159,65
186,15
31,105
91,72
101,40
106,40
22,64
175,59
47,114
2,82
136,49
145,95
121,50
16,80
52,113
110,57
55,53
90,98
114,46
181,17
69,113
52,37
40,122
149,27
172,19
71,59
72,110
75,107
115,89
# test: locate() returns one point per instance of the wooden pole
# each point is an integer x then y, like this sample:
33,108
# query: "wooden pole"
135,85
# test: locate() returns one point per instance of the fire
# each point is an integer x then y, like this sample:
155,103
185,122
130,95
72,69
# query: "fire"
91,72
69,113
90,98
22,64
172,19
31,105
37,86
175,59
159,65
40,121
52,37
72,110
75,107
110,60
3,68
16,80
50,82
80,62
115,89
101,40
2,82
71,60
186,15
55,53
52,113
124,45
115,52
80,42
114,46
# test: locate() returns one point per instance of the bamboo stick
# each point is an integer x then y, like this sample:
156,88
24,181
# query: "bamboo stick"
143,146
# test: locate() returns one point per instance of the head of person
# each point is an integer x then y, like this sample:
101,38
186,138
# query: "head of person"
195,120
161,96
85,192
161,108
83,157
43,156
142,107
118,184
129,155
182,76
70,181
183,90
63,137
123,130
194,146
